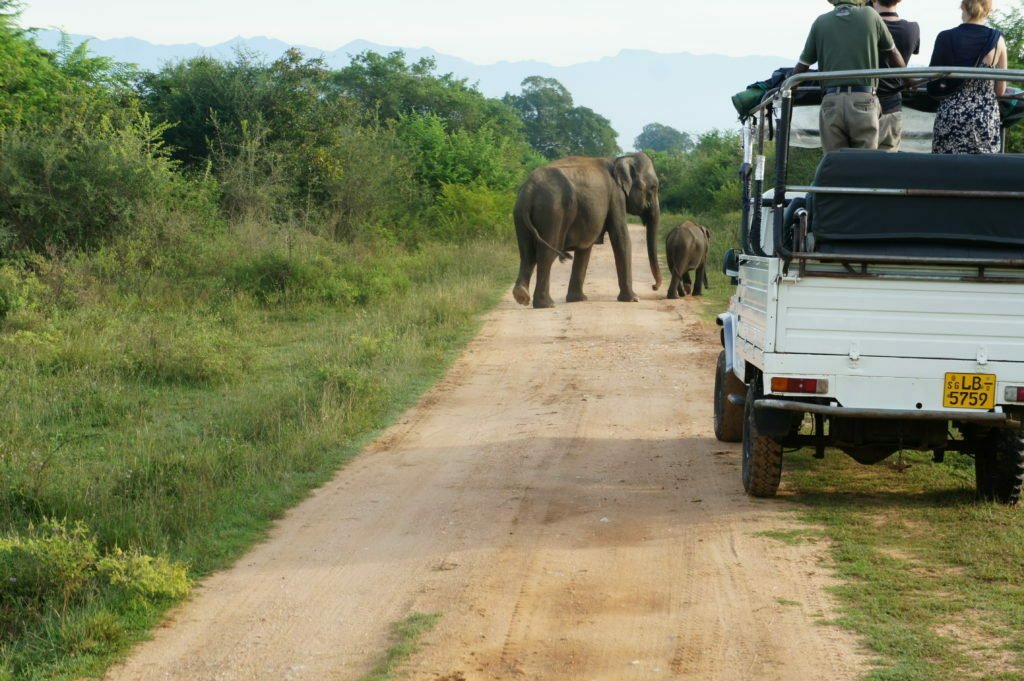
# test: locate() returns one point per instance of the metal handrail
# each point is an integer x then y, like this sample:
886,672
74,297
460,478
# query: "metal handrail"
932,193
987,263
785,94
930,72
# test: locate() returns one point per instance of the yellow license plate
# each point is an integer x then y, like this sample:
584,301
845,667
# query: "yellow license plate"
969,391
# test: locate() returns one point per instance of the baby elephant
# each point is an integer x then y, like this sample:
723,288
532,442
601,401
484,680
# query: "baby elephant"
686,248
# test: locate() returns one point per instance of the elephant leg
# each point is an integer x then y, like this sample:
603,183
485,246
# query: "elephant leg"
687,285
699,277
527,261
581,260
673,287
542,293
623,250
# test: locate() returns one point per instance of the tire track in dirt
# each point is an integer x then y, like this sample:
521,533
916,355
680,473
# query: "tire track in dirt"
560,499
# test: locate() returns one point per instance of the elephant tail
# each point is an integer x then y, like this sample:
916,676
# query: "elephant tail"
523,218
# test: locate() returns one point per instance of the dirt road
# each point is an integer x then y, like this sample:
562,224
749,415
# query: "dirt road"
560,500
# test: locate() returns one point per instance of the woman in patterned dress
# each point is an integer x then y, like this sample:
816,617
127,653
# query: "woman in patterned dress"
968,121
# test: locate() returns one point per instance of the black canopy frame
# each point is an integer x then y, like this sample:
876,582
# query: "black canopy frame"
805,89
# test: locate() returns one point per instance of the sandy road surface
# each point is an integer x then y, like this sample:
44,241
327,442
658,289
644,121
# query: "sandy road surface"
560,499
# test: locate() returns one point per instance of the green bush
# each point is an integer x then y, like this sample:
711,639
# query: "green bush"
45,570
148,577
77,185
464,212
19,290
54,566
362,183
445,157
274,278
184,351
168,348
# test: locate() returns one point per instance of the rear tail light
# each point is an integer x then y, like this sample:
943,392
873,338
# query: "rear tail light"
812,386
1014,393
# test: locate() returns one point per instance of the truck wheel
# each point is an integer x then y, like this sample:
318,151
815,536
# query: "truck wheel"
762,455
999,466
728,417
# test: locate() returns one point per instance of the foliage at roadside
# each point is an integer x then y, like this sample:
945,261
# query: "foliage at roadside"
931,578
1011,23
216,281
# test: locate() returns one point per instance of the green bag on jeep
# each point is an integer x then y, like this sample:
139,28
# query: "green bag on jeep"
745,101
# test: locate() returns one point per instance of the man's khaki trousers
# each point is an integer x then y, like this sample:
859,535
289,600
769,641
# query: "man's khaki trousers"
890,131
849,120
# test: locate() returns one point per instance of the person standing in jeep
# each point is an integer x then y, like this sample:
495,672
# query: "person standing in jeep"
850,37
907,36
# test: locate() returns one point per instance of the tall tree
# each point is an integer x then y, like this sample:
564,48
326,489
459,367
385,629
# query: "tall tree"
557,128
1011,23
392,87
658,137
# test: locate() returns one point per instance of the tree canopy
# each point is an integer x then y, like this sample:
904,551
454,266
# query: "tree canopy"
658,137
389,86
555,127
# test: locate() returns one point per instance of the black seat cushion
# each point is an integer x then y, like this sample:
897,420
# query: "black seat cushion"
928,224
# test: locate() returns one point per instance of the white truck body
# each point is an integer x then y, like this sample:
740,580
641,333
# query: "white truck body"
884,300
883,342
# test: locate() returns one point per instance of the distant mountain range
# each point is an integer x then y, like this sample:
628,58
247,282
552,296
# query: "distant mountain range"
687,91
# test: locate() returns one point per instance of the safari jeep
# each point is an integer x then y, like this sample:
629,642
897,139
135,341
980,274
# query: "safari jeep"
879,308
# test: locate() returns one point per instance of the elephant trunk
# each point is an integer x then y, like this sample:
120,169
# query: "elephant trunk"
652,219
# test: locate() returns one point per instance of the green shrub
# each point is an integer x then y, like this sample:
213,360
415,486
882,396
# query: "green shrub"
459,156
148,577
250,174
363,182
275,278
269,276
55,565
181,351
464,212
45,570
353,394
77,185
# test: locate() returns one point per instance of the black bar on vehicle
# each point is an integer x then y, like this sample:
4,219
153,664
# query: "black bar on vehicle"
986,417
880,191
903,260
801,81
754,235
781,176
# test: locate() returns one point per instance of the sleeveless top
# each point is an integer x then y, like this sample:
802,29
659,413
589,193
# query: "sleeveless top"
967,121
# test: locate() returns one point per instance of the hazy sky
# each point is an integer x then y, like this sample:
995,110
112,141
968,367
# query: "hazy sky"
555,31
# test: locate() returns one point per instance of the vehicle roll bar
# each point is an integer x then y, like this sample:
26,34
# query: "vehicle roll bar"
783,98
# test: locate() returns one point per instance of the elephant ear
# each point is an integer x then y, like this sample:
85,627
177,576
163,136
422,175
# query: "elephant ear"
625,173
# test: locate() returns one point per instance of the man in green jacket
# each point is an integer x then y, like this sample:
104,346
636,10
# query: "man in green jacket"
850,37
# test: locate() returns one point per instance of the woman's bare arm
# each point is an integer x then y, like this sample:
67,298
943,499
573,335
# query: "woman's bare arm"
1000,62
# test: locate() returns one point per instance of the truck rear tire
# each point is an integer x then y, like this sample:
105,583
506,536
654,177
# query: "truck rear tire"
762,455
728,416
999,466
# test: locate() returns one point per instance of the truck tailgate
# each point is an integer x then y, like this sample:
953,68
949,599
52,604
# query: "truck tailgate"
933,319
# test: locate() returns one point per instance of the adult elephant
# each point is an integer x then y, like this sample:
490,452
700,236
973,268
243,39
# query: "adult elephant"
568,205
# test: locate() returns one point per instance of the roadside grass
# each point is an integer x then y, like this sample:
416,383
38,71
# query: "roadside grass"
177,416
406,634
933,581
